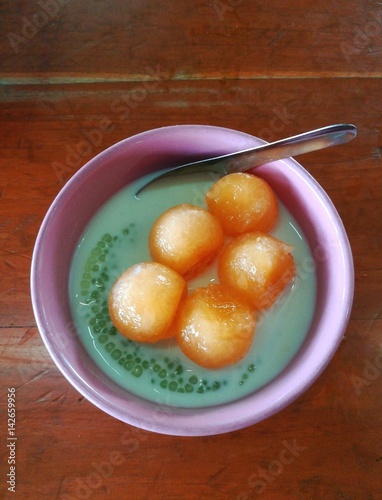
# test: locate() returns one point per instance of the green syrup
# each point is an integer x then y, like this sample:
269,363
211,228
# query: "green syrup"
116,238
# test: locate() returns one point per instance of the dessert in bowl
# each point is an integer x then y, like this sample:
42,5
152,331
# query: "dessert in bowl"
154,387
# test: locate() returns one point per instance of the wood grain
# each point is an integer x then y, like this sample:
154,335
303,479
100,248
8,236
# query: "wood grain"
93,73
191,40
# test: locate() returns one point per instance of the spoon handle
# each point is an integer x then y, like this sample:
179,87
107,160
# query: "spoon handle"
241,161
292,146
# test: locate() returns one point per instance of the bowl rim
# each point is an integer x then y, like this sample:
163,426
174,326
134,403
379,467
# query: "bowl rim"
216,419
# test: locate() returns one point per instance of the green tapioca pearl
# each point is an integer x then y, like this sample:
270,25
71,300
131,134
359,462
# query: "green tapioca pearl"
110,347
101,244
156,368
189,388
137,371
145,365
201,389
173,386
85,284
162,373
102,339
126,231
163,384
95,308
179,370
96,329
94,294
193,379
129,364
116,354
107,238
94,253
92,261
251,368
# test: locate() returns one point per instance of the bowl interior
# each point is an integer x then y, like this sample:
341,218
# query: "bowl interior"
113,169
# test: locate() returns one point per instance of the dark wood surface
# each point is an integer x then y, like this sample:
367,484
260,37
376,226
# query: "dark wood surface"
69,67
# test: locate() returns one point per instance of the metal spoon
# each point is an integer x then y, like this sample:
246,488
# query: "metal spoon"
248,159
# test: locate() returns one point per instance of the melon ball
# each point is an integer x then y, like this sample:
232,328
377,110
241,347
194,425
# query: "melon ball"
243,203
215,326
144,300
185,238
258,266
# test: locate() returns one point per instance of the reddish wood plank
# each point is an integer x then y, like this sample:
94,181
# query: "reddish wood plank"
187,40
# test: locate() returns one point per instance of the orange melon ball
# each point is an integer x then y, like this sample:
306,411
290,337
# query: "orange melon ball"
185,238
144,300
243,203
215,327
258,266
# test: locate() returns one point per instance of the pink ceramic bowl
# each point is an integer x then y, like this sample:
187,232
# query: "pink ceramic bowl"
103,176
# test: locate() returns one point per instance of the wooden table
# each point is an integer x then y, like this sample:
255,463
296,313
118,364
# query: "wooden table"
271,69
